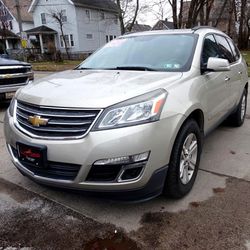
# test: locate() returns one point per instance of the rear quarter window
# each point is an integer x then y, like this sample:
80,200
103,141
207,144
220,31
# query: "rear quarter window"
234,49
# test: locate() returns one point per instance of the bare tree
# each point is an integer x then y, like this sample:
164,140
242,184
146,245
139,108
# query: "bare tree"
194,11
59,18
159,9
4,26
128,13
244,23
173,4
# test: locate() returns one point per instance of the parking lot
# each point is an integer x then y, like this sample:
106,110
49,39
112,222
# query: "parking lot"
215,215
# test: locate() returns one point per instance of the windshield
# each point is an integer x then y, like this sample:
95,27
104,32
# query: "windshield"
171,52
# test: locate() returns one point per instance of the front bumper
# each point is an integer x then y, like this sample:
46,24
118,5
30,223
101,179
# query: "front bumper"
155,137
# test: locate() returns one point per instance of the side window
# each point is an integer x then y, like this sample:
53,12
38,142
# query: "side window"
234,49
225,50
210,49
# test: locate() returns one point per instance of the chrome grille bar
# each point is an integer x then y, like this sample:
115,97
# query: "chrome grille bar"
62,123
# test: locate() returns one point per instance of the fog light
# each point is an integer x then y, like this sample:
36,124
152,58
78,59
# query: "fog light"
124,159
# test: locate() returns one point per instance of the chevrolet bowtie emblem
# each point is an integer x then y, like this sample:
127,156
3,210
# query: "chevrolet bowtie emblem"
37,121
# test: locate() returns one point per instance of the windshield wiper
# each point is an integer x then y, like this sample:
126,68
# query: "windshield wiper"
142,68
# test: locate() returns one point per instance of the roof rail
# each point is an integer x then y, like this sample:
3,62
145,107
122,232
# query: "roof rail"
203,27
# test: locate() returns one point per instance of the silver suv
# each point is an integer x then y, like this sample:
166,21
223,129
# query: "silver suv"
130,120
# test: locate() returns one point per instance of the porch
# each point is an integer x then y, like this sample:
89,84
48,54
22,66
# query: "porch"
42,38
8,41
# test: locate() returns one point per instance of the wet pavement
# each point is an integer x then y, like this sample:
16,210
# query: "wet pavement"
215,215
31,221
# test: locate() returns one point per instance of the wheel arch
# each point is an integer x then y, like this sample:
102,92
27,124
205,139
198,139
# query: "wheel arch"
194,113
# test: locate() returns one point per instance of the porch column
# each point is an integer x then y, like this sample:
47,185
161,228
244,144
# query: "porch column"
41,43
7,44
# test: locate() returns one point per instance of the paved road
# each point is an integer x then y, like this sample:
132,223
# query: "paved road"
214,215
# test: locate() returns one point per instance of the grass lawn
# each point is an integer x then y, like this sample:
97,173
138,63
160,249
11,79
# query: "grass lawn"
53,66
246,55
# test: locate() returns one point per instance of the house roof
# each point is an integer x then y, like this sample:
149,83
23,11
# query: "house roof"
41,30
140,27
163,25
106,5
24,7
8,34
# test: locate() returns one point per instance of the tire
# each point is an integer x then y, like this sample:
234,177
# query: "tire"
238,117
175,184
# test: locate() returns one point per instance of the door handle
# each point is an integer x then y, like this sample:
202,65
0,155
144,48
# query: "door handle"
227,79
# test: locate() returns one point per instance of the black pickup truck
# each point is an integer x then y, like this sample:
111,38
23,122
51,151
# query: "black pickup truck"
13,75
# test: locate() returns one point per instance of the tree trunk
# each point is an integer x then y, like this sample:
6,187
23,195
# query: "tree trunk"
202,16
131,25
180,15
241,40
64,40
221,12
120,15
190,14
209,6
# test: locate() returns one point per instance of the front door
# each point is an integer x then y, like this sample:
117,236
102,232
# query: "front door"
217,87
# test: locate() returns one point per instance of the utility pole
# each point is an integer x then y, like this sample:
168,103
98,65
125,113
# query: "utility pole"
19,16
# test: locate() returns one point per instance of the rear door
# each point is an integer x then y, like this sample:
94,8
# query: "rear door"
239,69
232,77
217,90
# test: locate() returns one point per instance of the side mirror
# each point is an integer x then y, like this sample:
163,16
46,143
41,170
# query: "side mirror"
217,64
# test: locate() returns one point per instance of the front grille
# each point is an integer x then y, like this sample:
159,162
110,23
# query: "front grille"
54,170
12,81
13,70
62,123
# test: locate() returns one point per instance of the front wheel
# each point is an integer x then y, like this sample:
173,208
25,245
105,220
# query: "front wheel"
185,159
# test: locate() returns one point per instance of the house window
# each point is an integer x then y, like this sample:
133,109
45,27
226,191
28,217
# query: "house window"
69,39
64,16
102,15
88,14
116,19
89,36
72,43
3,11
110,38
43,18
10,25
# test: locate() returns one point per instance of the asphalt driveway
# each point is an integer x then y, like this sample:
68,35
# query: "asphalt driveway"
214,215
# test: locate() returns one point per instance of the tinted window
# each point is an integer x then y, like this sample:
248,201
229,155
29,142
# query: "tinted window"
173,52
225,50
210,49
235,51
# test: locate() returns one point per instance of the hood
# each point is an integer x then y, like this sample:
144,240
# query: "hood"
94,88
6,62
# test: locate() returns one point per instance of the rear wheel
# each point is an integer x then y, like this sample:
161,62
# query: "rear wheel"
238,117
184,162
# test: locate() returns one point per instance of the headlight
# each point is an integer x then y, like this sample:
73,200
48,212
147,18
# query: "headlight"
12,106
142,109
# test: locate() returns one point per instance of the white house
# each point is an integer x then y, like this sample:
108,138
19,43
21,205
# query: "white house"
87,24
9,21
